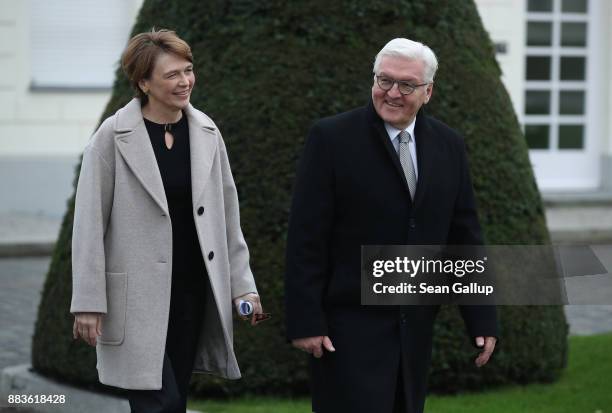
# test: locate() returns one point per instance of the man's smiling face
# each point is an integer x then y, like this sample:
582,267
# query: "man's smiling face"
394,108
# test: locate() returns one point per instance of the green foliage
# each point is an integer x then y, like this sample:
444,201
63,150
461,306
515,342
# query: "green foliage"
265,71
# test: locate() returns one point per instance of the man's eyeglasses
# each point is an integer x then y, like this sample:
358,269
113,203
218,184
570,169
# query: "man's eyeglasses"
405,88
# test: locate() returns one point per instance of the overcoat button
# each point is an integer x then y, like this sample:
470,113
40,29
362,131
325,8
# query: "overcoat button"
200,210
211,255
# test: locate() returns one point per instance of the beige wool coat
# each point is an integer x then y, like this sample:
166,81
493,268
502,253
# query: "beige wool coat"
122,249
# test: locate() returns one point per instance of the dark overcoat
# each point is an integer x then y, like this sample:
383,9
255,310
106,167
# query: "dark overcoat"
351,191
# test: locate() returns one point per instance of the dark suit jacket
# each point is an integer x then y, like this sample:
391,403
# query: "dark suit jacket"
350,191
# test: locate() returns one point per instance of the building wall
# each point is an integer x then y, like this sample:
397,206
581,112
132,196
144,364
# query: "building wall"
607,105
42,133
504,20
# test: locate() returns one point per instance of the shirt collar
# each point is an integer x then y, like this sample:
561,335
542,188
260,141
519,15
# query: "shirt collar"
393,132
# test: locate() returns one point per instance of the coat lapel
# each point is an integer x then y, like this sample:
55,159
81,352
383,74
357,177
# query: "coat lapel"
203,146
135,146
383,136
424,153
133,143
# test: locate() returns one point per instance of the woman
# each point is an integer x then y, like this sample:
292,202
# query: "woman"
157,250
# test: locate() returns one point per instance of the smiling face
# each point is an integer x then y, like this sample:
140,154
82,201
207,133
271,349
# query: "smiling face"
394,108
170,84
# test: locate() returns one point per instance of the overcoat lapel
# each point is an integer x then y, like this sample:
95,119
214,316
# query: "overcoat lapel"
135,146
426,155
133,143
382,135
203,146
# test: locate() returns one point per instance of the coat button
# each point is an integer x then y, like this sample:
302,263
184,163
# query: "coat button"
211,255
412,223
200,210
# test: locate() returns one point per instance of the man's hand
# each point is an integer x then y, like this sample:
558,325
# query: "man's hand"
254,299
488,345
87,326
314,345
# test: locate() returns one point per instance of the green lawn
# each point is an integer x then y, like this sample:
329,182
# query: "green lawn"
586,387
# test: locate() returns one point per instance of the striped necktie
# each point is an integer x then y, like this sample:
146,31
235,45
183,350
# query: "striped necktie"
406,161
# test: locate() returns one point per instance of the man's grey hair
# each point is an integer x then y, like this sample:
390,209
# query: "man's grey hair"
412,50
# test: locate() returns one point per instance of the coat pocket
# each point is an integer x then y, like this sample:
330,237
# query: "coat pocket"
113,322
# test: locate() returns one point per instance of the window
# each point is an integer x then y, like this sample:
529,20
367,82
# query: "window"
77,44
537,102
556,74
539,34
539,5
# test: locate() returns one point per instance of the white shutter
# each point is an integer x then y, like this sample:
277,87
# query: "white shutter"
78,43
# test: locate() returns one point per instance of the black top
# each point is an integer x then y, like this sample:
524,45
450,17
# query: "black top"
188,270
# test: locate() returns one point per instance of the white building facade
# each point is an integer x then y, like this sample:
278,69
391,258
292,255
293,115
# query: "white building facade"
556,61
58,59
57,65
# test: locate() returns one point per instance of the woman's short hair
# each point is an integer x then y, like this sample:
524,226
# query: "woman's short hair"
410,49
142,50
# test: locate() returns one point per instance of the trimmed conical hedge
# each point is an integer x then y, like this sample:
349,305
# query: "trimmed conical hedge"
265,71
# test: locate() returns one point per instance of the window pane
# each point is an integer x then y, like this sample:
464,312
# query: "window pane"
539,5
539,34
537,102
571,137
572,68
571,102
573,34
574,6
538,67
537,136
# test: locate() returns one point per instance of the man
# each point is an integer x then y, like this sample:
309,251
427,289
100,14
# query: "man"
381,174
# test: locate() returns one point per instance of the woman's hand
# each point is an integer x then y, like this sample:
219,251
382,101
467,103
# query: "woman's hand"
253,299
87,326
